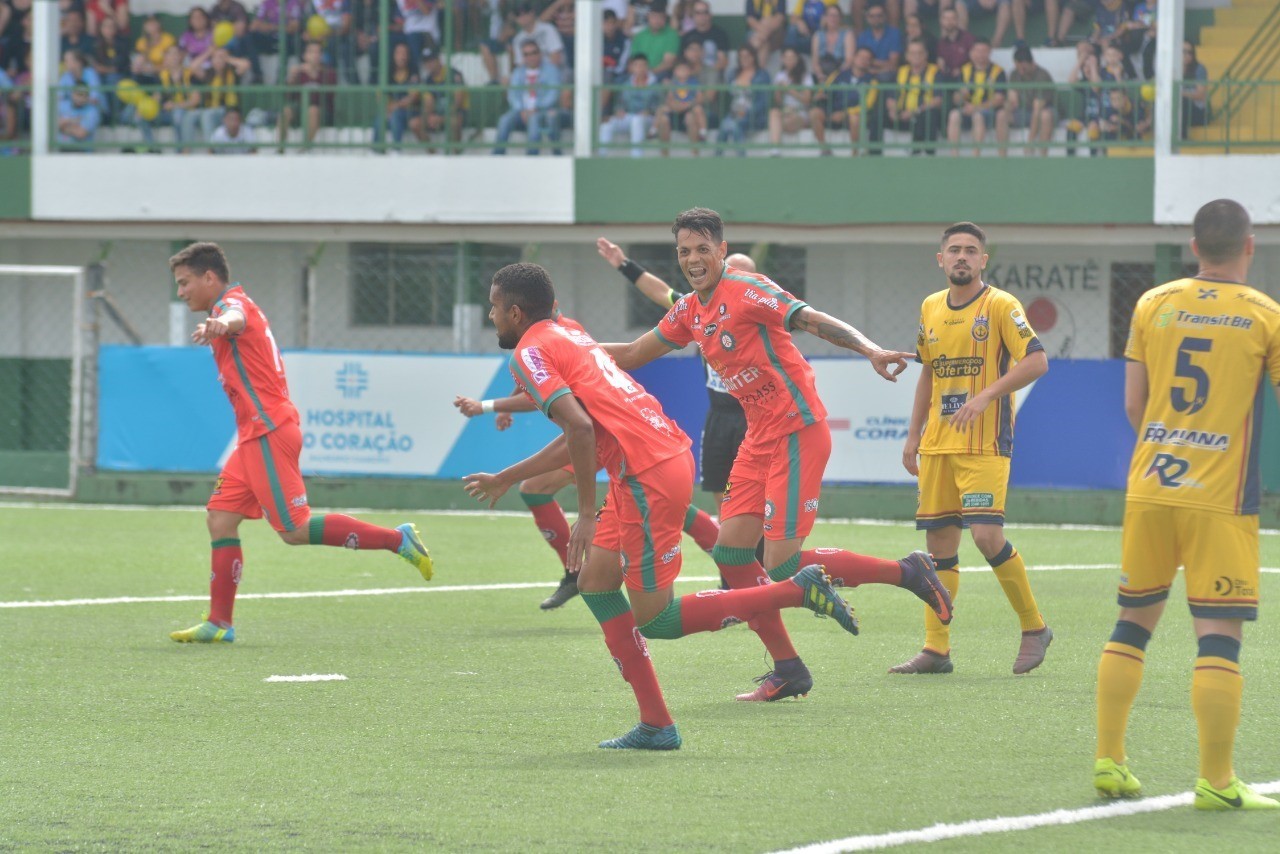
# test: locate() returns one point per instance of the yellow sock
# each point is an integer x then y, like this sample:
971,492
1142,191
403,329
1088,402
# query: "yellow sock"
1119,678
1216,688
1012,574
937,637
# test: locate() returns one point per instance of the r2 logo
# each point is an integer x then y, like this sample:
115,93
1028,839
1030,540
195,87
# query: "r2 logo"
1169,469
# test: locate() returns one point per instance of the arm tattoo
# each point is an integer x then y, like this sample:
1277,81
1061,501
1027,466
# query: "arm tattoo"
834,331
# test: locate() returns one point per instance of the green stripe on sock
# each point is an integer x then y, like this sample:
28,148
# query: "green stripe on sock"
226,543
536,499
665,626
690,516
786,569
733,556
315,531
605,606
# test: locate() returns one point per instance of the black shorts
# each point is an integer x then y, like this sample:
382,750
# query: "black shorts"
722,433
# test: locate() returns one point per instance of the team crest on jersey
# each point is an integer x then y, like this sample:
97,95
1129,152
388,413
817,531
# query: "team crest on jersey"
981,329
727,341
697,321
768,510
532,358
709,329
724,309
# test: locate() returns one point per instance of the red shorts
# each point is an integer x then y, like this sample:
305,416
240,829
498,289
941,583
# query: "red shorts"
643,519
262,478
780,480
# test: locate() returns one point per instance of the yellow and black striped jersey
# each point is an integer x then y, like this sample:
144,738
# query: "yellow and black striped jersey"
1211,350
968,347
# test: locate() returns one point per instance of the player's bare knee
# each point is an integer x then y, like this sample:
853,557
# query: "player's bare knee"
990,540
299,536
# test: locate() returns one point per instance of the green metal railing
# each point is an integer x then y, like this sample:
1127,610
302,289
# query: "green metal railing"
15,120
1254,62
1236,115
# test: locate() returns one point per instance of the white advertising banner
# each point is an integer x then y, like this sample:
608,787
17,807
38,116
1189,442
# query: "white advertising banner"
868,417
1067,298
374,414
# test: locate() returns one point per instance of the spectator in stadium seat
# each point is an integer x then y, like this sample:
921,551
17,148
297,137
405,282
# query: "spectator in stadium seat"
78,120
712,39
658,42
444,110
804,22
1195,90
885,43
981,98
222,81
913,28
421,20
915,106
228,10
954,43
1006,12
78,73
1124,117
366,27
863,103
533,98
197,41
682,108
1030,108
923,8
1110,21
231,137
527,28
892,10
616,48
682,16
402,96
767,25
790,110
176,98
111,53
311,73
149,51
827,110
339,47
832,39
562,16
97,11
1139,36
748,108
1072,9
74,36
1087,102
634,108
265,28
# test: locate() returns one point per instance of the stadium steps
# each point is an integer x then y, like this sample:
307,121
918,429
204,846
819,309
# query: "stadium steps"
1251,117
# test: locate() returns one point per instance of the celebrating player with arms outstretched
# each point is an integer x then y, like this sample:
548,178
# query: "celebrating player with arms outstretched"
261,475
609,420
1200,352
742,324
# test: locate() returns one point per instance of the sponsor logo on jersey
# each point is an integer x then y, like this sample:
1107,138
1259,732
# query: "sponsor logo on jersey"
1261,302
217,486
671,555
811,505
727,341
741,379
1208,293
953,321
1165,315
1225,585
977,500
761,299
655,419
965,366
299,500
1018,319
1170,470
237,570
981,329
697,321
724,310
532,358
709,329
952,401
1234,321
1158,434
768,510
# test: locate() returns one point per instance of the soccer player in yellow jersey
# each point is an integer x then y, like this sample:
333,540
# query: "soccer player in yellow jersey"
1201,352
976,349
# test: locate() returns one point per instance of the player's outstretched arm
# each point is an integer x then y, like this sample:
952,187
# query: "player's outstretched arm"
471,407
1021,375
1136,392
580,435
639,352
483,486
650,285
887,363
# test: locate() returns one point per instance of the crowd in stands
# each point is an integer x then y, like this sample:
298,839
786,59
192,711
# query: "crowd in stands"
910,68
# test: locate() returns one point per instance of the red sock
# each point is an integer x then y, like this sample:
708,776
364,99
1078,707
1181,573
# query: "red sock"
854,569
699,525
334,529
631,653
768,626
228,562
712,610
550,520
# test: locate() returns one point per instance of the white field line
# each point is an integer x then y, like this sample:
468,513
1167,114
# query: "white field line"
1007,824
308,677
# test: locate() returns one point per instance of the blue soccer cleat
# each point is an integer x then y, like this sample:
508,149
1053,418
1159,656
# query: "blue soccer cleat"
646,737
412,549
821,597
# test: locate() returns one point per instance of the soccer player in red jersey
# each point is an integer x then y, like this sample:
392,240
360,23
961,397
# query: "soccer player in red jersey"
742,324
610,421
261,476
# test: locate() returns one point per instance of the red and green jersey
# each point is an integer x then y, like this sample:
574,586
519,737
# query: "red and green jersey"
743,331
555,358
250,369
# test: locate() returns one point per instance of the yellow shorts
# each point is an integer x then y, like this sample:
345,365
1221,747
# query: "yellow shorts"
1218,550
961,490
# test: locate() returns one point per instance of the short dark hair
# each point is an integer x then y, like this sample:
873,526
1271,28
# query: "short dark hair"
233,109
636,56
200,258
610,15
528,286
1221,228
1022,53
965,228
702,221
982,40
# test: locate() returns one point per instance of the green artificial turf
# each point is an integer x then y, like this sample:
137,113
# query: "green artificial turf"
469,719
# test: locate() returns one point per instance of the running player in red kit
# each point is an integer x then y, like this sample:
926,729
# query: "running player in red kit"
610,421
261,477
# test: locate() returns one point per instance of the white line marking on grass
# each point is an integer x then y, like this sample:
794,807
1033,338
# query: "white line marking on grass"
1006,824
308,677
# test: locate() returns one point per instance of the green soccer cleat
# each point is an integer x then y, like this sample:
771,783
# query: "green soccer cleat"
412,549
1236,796
646,737
821,597
205,632
1114,781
